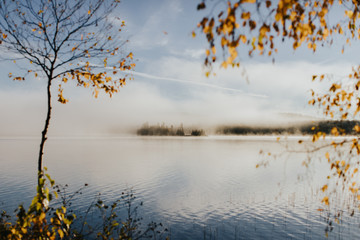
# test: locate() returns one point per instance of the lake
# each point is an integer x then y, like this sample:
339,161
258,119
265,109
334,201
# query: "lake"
198,187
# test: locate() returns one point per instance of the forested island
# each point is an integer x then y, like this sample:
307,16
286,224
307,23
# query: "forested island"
164,130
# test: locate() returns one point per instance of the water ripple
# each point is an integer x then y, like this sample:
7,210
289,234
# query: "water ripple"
204,188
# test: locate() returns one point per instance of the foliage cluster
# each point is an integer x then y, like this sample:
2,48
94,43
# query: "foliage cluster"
42,221
66,41
258,25
34,223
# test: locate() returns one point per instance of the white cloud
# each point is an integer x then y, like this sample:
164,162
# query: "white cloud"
192,99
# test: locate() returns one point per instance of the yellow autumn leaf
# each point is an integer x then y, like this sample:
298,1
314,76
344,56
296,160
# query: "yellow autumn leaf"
223,41
61,233
87,75
245,15
243,38
325,200
349,13
213,50
96,93
357,128
278,17
207,51
334,131
334,87
264,29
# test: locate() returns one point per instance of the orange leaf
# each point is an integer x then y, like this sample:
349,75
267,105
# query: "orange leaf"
325,200
245,15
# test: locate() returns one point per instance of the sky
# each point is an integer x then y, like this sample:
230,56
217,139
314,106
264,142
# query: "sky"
170,85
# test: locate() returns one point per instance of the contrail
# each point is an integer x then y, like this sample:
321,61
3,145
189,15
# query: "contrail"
145,75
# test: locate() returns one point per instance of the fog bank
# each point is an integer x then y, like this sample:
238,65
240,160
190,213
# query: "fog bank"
275,95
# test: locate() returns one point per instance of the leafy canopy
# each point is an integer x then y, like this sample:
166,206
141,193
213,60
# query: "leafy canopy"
70,40
255,25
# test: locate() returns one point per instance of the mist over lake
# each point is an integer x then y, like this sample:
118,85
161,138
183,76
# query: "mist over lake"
198,187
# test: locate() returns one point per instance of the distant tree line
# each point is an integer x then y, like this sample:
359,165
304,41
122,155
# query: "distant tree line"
245,130
345,127
164,130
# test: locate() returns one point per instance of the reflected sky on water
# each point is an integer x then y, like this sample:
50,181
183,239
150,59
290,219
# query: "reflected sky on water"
200,188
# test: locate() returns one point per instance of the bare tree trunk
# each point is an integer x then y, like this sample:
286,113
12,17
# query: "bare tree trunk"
45,130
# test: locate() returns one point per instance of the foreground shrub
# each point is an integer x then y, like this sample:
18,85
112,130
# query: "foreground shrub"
43,222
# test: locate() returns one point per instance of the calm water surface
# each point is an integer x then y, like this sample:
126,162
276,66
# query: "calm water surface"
200,188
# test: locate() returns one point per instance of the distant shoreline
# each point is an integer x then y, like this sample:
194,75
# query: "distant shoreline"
333,128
